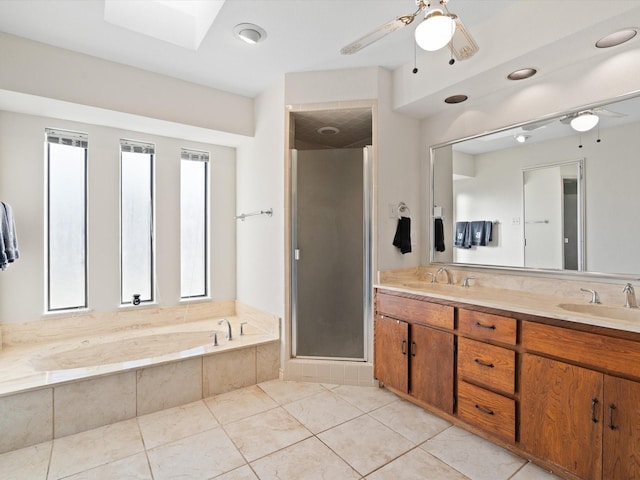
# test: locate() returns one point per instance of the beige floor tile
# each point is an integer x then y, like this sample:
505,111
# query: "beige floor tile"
534,472
366,398
175,423
365,443
30,463
86,450
410,421
473,456
287,392
135,467
416,465
199,457
239,404
308,460
242,473
322,411
265,433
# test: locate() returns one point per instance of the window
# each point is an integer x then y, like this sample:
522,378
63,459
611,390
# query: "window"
66,220
193,223
136,221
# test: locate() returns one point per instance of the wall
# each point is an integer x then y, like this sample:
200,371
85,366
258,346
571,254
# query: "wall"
37,69
22,185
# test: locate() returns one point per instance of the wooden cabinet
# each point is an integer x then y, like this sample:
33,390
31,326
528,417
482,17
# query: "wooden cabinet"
410,355
580,419
561,414
431,367
391,345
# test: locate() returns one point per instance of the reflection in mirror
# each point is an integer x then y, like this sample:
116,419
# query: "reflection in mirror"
503,180
552,201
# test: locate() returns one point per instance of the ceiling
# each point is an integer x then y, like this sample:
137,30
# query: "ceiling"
307,35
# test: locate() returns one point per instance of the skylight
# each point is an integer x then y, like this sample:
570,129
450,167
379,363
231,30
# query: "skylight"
181,22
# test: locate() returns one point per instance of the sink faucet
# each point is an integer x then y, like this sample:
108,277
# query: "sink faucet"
595,298
629,296
442,269
229,335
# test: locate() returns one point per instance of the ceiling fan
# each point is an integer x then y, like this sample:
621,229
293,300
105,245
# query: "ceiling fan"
438,29
581,121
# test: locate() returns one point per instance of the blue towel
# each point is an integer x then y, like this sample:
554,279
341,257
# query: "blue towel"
8,239
481,232
462,238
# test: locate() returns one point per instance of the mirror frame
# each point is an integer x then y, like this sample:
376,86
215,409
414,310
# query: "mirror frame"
514,269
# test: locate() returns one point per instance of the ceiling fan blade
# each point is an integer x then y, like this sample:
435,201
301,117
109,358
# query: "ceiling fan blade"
608,113
462,44
380,32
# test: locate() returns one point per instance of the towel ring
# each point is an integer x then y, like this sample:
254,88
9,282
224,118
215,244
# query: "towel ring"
403,209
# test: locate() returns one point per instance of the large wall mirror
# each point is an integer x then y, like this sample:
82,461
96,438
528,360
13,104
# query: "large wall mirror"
551,194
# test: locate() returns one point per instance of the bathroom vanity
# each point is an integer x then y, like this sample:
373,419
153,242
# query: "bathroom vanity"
555,386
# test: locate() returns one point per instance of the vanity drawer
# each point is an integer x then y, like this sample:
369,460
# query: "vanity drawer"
487,326
489,411
489,365
416,311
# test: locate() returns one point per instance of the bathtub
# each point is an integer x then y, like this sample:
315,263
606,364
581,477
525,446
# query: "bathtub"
75,374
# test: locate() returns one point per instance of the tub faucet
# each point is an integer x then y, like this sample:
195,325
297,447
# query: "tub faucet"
229,334
442,269
629,296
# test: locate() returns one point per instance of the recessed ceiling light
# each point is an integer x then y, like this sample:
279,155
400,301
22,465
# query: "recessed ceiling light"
455,99
617,38
328,130
250,33
522,74
521,138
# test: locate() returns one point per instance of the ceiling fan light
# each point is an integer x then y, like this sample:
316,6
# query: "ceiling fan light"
435,31
584,121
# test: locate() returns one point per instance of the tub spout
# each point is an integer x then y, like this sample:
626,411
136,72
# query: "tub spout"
229,334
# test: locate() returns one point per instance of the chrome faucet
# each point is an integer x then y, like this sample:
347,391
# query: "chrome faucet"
595,298
629,296
229,334
442,269
465,282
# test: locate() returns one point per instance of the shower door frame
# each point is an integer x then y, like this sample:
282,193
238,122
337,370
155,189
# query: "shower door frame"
367,218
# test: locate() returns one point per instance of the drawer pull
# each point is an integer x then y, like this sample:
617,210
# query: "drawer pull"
594,403
486,411
489,327
484,364
612,407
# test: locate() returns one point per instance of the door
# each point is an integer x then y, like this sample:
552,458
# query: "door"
561,415
622,428
331,239
431,367
390,349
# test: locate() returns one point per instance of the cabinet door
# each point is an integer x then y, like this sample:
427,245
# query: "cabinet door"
621,429
390,352
431,367
561,414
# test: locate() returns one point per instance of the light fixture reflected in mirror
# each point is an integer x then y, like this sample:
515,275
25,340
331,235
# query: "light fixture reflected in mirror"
435,31
521,138
584,121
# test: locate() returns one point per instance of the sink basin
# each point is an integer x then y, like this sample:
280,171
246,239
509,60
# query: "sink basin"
603,311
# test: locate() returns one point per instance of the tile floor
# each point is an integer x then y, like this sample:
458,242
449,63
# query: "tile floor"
275,430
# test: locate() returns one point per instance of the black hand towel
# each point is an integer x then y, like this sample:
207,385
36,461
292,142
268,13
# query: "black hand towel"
438,234
402,239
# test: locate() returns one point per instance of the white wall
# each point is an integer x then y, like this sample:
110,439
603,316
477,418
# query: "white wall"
22,185
260,185
37,69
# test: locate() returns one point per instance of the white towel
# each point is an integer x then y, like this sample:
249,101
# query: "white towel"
8,239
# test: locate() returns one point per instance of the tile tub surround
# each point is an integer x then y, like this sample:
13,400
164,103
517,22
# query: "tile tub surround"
40,405
540,296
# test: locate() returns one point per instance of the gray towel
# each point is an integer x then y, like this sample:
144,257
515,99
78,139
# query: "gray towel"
8,239
462,237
